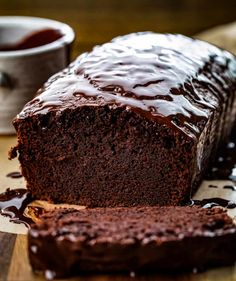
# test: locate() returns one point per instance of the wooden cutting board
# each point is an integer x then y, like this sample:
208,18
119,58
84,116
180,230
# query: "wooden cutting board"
14,265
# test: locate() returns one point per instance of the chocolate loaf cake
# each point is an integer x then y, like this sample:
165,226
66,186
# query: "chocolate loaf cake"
134,122
143,239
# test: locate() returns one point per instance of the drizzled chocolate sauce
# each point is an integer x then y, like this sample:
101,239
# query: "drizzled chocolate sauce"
231,187
14,175
214,202
224,167
35,39
212,186
13,203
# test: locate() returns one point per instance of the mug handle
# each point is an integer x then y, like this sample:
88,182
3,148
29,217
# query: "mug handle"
5,80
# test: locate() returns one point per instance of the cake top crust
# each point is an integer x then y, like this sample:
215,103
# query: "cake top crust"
133,224
161,76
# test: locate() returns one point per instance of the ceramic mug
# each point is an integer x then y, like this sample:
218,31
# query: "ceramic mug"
22,72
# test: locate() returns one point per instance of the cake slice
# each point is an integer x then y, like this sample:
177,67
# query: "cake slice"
134,122
140,239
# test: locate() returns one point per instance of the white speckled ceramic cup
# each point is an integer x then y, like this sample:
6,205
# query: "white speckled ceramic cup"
22,72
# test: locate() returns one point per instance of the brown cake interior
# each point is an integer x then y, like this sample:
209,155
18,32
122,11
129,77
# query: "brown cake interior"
115,158
67,242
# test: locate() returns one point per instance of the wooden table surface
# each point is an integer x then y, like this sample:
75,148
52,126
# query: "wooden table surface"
96,22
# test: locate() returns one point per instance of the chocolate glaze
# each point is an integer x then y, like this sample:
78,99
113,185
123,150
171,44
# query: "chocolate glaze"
35,39
13,203
214,202
14,175
160,76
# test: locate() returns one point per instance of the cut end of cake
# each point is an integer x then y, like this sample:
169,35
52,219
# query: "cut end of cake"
68,241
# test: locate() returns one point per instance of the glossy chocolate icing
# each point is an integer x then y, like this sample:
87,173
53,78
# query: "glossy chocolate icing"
170,77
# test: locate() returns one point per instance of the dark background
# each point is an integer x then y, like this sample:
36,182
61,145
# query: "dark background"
97,21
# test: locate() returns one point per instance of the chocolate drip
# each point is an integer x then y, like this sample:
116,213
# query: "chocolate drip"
156,75
224,167
14,175
214,202
212,186
35,39
13,203
231,187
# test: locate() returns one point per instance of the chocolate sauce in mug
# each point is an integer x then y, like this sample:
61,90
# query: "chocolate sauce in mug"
35,39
